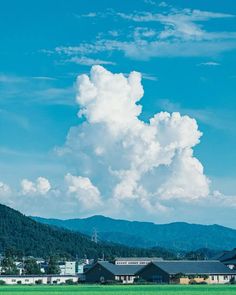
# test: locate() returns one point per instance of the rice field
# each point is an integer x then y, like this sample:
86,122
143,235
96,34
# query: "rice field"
120,290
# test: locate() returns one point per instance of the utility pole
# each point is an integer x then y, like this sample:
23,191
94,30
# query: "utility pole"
94,237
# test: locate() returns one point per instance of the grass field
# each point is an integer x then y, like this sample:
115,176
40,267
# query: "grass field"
119,290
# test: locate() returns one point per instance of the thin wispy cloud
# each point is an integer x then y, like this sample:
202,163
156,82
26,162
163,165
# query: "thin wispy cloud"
180,33
210,64
35,89
86,61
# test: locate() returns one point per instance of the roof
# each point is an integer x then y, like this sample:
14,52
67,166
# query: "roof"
37,276
226,255
117,270
194,267
228,262
138,258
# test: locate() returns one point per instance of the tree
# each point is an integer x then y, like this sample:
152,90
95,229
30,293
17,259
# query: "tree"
9,267
53,267
31,267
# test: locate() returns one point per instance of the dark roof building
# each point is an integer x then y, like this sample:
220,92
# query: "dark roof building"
104,271
228,258
169,271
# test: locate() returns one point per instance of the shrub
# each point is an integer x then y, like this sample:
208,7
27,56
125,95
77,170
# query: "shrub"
192,282
232,281
19,282
70,282
2,282
111,282
38,282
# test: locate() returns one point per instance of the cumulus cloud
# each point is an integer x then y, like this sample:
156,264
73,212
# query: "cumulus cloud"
41,186
148,163
4,189
82,188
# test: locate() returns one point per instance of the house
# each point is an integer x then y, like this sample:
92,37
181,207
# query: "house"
227,257
135,260
104,271
184,272
20,267
67,268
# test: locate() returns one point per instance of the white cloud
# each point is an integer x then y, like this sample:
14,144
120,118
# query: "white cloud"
129,154
210,63
163,4
41,186
4,189
181,32
186,180
38,89
87,194
86,61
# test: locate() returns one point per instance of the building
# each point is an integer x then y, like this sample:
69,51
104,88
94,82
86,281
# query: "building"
20,267
135,260
104,271
67,268
184,272
37,279
227,257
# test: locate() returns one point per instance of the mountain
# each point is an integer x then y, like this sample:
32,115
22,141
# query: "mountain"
29,237
178,235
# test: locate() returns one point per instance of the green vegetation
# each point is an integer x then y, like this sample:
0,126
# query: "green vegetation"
30,238
31,267
119,290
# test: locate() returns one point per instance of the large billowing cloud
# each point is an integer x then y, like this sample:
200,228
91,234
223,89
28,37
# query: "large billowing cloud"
147,163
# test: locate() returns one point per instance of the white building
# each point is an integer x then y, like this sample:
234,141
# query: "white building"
37,279
67,268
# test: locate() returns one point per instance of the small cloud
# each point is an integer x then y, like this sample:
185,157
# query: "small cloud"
11,79
90,14
45,78
86,61
114,33
146,76
150,2
163,4
209,64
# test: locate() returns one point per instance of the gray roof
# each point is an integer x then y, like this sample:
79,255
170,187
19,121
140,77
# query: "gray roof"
228,262
194,267
226,255
120,269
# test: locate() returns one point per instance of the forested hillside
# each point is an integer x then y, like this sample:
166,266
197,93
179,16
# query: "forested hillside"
180,236
29,237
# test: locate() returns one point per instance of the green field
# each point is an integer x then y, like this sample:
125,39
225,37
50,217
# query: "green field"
119,290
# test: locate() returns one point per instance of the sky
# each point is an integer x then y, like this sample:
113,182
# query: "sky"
120,108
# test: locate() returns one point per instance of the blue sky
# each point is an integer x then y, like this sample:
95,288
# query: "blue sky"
185,51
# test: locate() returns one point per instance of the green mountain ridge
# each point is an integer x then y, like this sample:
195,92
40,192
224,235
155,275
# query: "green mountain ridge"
180,236
30,237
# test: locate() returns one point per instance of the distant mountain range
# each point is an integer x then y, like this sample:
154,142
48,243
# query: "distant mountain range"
178,236
25,236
